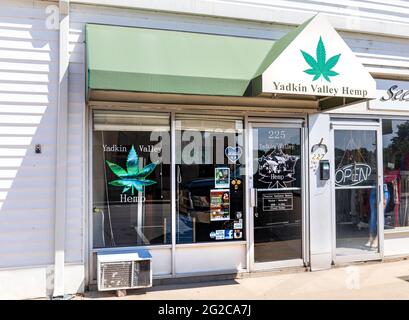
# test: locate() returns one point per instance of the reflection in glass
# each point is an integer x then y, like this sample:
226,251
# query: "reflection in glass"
277,181
131,180
395,134
209,179
356,191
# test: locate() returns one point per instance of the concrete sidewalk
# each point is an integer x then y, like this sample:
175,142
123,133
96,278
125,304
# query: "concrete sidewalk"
388,280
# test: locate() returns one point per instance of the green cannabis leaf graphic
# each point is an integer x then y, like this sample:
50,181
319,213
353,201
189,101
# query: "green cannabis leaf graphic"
132,178
321,66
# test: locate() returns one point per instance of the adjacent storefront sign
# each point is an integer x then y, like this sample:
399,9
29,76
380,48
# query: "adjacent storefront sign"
391,95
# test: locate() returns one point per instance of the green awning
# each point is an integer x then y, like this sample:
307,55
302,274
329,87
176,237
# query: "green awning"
160,61
311,63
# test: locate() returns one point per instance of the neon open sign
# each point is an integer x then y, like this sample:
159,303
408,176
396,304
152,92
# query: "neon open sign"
352,174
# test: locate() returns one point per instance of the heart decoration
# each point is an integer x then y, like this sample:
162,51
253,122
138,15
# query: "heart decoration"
233,153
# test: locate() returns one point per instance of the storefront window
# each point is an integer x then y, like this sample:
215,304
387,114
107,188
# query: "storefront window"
395,135
131,179
209,179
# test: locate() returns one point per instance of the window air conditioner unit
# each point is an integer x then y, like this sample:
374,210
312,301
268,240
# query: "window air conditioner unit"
124,269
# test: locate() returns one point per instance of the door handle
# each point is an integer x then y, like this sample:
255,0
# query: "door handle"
253,192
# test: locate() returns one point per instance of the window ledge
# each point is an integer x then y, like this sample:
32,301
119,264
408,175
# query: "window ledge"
395,233
211,244
397,230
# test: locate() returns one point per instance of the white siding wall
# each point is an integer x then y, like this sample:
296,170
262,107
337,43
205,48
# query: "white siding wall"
367,16
28,95
380,53
28,106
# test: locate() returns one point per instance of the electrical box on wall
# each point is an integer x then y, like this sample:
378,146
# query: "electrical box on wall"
324,170
37,148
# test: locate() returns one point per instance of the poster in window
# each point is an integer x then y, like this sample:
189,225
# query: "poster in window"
222,177
277,201
219,204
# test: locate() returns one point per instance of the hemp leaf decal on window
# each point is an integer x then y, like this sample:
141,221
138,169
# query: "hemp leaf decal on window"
132,178
321,66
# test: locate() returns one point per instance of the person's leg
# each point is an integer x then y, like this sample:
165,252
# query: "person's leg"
373,217
373,223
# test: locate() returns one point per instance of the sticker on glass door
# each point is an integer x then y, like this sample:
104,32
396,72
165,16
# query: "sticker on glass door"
277,169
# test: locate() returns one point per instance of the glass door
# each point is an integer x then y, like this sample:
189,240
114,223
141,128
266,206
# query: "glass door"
356,193
276,162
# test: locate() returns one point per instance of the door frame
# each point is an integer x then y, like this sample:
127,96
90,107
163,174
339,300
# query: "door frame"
369,125
253,122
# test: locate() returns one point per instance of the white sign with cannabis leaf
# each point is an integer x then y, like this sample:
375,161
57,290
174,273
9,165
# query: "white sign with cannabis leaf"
321,66
313,59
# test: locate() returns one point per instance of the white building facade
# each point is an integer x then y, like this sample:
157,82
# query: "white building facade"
58,120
